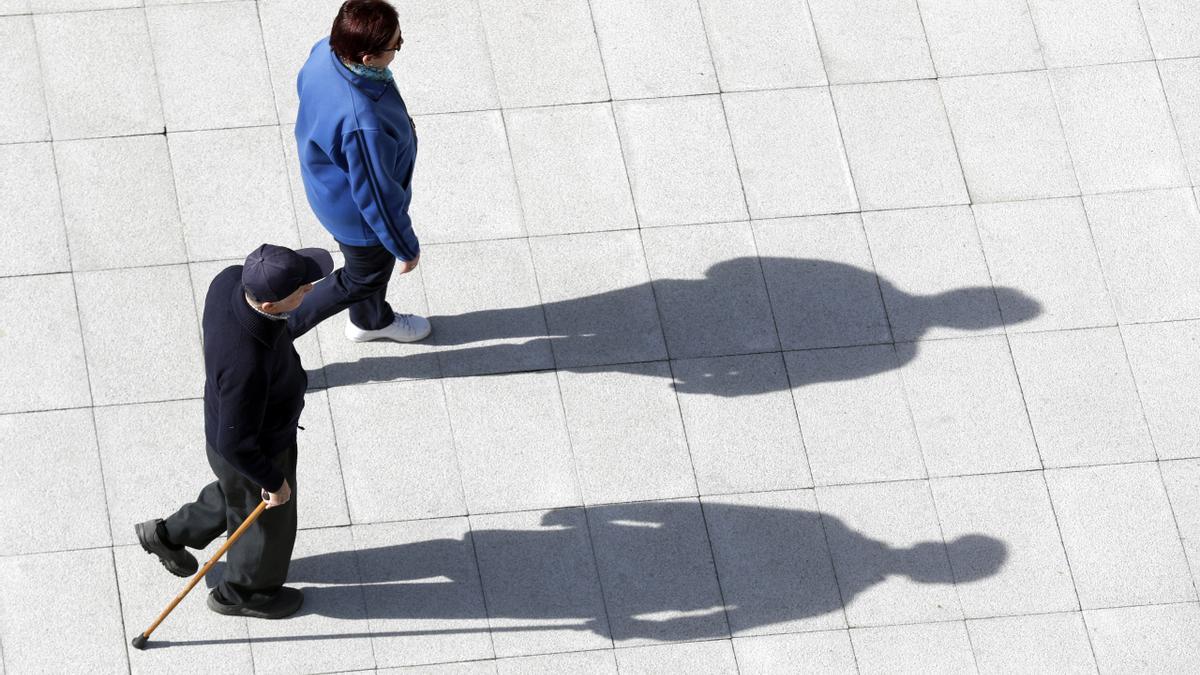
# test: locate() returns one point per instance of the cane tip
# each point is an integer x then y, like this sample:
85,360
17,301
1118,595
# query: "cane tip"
140,641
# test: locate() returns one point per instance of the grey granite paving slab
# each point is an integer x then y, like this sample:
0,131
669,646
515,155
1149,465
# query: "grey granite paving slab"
569,169
319,473
347,362
512,443
1165,358
334,615
424,602
710,291
154,461
653,49
44,451
571,663
657,572
856,422
1118,127
1015,509
124,366
888,553
540,582
680,160
400,431
1147,243
1083,410
607,313
1120,535
8,7
773,563
759,44
119,203
105,85
32,607
967,407
934,277
821,280
1044,250
24,118
1173,26
484,305
30,202
463,187
819,652
1152,639
193,637
460,668
899,145
50,6
445,65
1044,643
233,88
742,430
973,37
680,659
915,648
565,67
1182,479
1184,101
1009,137
25,384
626,434
871,41
1082,33
789,152
312,233
289,31
233,191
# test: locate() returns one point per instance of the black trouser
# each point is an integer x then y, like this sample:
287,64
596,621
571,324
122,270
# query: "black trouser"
360,284
257,563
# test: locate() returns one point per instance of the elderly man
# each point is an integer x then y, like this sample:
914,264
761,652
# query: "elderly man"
253,394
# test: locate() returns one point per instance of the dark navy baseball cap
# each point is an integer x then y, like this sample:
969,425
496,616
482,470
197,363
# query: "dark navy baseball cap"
272,273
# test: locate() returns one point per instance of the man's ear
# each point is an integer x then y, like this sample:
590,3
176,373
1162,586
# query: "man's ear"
268,307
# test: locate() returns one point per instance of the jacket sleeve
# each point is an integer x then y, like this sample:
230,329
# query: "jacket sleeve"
381,195
242,404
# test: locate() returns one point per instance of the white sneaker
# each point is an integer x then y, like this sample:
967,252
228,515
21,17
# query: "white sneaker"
404,328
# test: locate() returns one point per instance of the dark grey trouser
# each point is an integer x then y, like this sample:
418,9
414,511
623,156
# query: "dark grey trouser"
257,563
360,284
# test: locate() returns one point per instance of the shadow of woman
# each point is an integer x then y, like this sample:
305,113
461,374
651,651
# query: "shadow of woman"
813,304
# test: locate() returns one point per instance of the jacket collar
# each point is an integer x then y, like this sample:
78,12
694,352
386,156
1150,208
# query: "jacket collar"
259,327
372,88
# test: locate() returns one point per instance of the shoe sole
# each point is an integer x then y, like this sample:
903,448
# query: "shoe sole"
144,538
388,339
238,610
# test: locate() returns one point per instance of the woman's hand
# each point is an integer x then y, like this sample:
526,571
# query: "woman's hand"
407,266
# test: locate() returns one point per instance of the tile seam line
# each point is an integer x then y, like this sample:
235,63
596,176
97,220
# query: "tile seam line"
637,229
86,366
712,552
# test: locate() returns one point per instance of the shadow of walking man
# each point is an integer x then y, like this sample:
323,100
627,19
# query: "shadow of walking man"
812,304
776,567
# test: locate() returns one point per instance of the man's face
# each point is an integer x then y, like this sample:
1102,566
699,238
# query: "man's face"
289,303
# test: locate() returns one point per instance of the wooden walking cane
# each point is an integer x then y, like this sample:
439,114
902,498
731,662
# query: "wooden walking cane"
139,642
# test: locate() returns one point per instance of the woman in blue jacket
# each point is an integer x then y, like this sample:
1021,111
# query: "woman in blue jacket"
357,147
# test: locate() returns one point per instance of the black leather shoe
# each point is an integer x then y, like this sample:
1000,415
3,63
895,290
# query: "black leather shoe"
284,603
177,560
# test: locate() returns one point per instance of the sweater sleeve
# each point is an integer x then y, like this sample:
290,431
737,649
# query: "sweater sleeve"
381,195
242,404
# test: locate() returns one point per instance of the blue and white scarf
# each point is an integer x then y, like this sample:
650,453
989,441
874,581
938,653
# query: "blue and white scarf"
370,72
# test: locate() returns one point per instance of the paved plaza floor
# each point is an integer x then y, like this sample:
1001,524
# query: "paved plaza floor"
769,336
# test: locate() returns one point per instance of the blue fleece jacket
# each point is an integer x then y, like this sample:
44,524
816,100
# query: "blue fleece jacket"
357,147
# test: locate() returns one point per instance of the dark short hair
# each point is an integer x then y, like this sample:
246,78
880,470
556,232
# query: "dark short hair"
363,27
